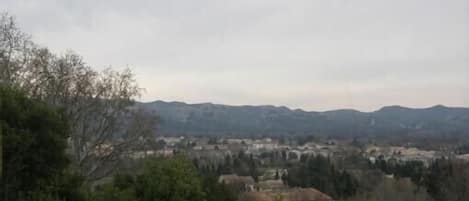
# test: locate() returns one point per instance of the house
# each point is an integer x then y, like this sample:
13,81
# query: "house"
165,152
263,146
463,157
170,141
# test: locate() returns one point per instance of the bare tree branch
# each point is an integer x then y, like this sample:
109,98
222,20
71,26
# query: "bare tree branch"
104,123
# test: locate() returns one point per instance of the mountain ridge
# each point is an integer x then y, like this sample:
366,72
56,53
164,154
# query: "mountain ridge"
179,118
301,109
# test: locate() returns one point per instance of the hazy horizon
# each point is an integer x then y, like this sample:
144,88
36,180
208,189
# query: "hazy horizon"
293,108
313,55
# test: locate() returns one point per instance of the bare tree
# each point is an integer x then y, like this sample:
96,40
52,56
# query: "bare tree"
15,47
104,124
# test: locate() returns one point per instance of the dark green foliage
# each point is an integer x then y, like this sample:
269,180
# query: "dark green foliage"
69,187
165,179
448,180
173,179
34,142
123,181
318,172
414,170
242,164
444,180
215,191
122,188
110,192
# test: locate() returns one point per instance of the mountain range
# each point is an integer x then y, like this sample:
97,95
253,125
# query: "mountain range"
178,118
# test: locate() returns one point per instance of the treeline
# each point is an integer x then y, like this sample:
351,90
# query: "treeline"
444,179
415,170
320,173
174,179
354,178
241,164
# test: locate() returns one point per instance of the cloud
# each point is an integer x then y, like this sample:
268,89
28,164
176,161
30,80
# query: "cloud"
322,54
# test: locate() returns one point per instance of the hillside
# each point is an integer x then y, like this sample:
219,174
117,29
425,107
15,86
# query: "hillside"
212,119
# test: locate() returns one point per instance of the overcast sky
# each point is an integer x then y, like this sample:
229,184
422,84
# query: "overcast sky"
309,54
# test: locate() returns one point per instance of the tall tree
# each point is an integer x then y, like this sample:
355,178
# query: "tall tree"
34,142
15,49
106,124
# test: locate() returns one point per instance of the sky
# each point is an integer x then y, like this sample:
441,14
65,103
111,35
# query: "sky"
309,54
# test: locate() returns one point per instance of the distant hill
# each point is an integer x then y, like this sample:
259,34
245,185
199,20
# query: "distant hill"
212,119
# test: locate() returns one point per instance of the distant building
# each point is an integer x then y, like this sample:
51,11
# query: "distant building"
263,146
463,157
273,174
372,159
165,152
170,141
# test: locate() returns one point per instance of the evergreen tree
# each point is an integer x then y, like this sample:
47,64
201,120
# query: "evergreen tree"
318,172
34,142
173,179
